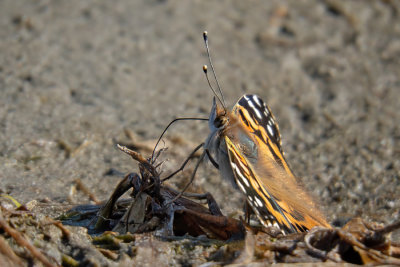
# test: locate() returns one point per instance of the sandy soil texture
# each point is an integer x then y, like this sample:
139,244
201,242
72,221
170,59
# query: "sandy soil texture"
74,75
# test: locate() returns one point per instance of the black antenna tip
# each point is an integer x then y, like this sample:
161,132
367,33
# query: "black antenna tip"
205,69
205,35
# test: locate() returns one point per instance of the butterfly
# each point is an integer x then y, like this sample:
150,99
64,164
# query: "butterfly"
245,145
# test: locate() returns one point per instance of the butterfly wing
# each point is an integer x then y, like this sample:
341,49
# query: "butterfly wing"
262,173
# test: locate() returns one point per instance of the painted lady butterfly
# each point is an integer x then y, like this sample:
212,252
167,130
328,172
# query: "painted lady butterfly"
245,144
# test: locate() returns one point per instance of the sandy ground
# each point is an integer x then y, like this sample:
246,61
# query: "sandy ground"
80,72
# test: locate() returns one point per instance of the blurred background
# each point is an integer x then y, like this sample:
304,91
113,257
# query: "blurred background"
78,76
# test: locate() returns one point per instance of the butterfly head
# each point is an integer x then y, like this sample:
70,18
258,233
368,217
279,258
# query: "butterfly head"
218,119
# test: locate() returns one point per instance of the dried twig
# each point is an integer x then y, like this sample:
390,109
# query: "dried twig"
7,255
85,190
65,232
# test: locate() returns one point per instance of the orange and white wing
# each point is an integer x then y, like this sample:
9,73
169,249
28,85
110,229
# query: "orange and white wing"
262,173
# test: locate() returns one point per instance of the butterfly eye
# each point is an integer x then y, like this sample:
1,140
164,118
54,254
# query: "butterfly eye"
220,121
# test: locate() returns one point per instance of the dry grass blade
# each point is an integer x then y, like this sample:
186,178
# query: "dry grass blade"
86,190
7,255
21,241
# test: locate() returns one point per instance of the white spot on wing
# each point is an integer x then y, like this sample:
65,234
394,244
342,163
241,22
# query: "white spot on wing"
257,100
255,109
270,130
242,178
245,180
258,202
271,121
233,165
258,113
251,198
241,186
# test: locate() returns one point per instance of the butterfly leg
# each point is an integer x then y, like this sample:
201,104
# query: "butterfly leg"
184,163
191,179
212,160
213,206
211,203
247,212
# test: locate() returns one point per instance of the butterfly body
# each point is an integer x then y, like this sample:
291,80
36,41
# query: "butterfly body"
246,145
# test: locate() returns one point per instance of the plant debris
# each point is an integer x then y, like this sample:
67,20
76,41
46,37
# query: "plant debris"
155,206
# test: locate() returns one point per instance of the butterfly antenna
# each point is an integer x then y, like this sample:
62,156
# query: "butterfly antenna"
205,37
205,69
166,128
